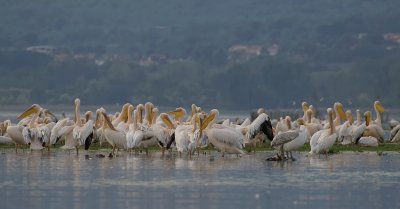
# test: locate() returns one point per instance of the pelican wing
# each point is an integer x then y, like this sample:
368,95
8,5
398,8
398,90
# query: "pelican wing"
258,125
357,132
86,130
284,137
226,136
394,132
246,122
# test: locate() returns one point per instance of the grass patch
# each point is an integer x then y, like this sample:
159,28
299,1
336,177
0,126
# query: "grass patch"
384,147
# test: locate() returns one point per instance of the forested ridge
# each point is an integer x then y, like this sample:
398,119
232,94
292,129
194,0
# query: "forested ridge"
228,54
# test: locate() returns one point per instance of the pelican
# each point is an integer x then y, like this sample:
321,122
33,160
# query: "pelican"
83,133
117,139
284,125
32,133
3,127
15,131
226,139
305,106
313,113
178,114
373,129
350,132
259,127
98,127
184,134
393,123
56,133
395,134
289,141
195,110
311,127
120,122
324,139
379,109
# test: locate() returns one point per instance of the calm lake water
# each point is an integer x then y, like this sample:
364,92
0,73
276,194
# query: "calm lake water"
63,180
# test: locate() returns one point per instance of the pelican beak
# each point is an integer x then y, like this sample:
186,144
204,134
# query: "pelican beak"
342,114
28,112
164,117
380,108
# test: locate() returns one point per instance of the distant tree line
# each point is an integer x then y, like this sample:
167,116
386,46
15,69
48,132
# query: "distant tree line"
177,53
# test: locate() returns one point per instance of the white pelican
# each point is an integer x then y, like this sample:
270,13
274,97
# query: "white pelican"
260,127
313,113
83,133
393,123
284,125
395,134
311,127
98,127
323,140
373,130
179,113
350,132
184,135
117,139
379,109
195,110
226,139
289,141
56,134
305,106
3,127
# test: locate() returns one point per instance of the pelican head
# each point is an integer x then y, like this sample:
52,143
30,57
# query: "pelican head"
77,101
88,115
305,106
378,106
339,109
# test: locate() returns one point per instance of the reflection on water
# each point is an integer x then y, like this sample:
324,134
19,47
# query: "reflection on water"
62,180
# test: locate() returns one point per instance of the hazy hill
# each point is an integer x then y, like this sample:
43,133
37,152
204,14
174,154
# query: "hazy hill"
230,54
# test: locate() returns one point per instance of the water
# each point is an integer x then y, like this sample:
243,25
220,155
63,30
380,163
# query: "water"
63,180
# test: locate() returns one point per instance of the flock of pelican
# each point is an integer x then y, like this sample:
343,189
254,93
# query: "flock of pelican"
142,127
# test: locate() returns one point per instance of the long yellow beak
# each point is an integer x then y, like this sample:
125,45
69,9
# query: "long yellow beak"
379,107
33,109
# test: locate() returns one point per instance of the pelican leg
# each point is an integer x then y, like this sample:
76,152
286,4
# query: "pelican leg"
77,151
282,153
162,151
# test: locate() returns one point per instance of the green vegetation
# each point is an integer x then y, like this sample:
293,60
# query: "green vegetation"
337,148
181,52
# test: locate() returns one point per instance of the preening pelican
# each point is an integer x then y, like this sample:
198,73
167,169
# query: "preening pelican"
284,125
259,128
226,139
179,113
289,141
373,130
82,133
184,134
117,139
56,134
311,127
323,140
3,127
